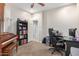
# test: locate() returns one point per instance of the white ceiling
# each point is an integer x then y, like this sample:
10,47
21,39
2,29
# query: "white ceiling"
38,8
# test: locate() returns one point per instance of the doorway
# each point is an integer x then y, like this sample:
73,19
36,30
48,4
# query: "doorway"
35,30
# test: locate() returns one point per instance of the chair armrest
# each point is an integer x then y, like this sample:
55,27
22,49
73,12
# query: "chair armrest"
60,42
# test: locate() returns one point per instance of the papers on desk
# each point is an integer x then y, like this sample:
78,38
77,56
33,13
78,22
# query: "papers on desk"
77,38
68,38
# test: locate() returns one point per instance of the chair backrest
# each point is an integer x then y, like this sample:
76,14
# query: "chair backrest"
50,31
72,32
52,36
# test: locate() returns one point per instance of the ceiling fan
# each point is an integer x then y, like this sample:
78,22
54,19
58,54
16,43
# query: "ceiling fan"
42,4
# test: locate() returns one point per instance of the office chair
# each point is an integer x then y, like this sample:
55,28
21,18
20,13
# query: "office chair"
50,35
72,33
57,44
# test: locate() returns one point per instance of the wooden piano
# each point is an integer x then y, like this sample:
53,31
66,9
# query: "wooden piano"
7,43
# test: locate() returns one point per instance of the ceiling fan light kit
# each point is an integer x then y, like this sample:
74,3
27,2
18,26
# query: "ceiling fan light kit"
42,4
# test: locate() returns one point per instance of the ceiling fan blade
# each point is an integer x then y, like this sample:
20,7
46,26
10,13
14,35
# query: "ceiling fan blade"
32,5
42,4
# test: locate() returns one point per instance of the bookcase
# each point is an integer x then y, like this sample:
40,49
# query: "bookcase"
22,32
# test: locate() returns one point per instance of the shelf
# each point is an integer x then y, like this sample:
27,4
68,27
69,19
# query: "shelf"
22,25
22,30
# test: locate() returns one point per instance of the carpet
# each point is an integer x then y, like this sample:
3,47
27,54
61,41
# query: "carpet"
35,49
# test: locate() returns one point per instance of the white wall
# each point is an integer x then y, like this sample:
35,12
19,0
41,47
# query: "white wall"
17,13
10,17
61,19
12,13
7,17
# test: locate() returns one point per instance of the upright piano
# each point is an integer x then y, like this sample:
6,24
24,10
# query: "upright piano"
7,43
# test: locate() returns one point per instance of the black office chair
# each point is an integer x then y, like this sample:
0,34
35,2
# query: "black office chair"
56,43
72,32
50,35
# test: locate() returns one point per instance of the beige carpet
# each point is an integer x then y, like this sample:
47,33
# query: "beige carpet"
35,49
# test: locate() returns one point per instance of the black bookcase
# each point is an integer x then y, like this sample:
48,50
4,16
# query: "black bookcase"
22,32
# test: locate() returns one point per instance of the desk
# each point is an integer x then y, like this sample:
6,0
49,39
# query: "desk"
70,43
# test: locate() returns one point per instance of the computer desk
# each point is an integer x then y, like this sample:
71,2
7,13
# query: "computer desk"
68,44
